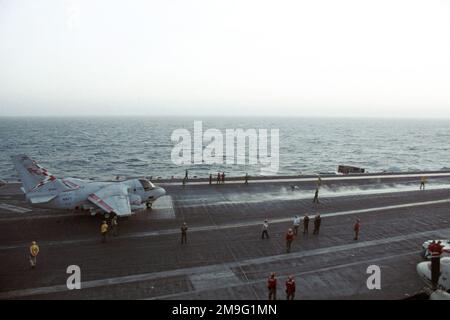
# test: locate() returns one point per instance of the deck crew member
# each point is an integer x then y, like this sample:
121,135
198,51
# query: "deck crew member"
246,178
423,181
272,286
289,239
317,222
210,179
34,251
316,196
290,288
114,226
296,224
265,230
184,229
218,178
306,224
435,249
104,231
356,229
223,177
319,182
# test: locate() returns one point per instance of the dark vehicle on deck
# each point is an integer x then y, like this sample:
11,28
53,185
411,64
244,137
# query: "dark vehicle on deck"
350,170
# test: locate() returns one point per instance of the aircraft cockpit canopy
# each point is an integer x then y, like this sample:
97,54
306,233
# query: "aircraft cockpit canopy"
147,185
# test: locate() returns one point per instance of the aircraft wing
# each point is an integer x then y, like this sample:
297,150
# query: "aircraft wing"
113,198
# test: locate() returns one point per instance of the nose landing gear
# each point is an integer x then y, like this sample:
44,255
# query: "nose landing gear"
149,205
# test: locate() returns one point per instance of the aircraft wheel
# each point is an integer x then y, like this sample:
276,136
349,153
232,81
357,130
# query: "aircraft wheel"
149,205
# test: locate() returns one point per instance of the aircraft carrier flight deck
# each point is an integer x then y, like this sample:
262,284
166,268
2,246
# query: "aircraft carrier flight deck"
225,257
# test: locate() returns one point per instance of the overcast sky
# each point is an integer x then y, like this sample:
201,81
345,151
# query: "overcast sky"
205,57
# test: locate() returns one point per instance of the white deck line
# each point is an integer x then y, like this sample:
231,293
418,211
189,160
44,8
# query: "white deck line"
310,179
13,208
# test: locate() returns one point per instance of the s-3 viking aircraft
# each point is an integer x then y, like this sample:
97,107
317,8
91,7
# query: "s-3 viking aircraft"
42,189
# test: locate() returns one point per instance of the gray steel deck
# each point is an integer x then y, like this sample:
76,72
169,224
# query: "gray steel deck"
225,257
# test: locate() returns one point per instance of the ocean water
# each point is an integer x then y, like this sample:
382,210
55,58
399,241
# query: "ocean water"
102,148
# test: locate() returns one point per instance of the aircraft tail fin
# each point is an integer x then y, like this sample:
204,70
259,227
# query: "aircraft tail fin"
33,176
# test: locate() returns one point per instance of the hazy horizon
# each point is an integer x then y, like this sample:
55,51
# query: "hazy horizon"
346,59
226,117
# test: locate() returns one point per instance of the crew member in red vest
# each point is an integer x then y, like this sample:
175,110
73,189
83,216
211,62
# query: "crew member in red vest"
356,228
289,239
272,286
435,249
290,288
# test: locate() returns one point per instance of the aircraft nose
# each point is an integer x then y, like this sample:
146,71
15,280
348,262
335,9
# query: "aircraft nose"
161,192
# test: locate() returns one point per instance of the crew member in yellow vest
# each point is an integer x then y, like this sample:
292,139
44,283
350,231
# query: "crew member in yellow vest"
104,231
34,251
423,181
319,182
